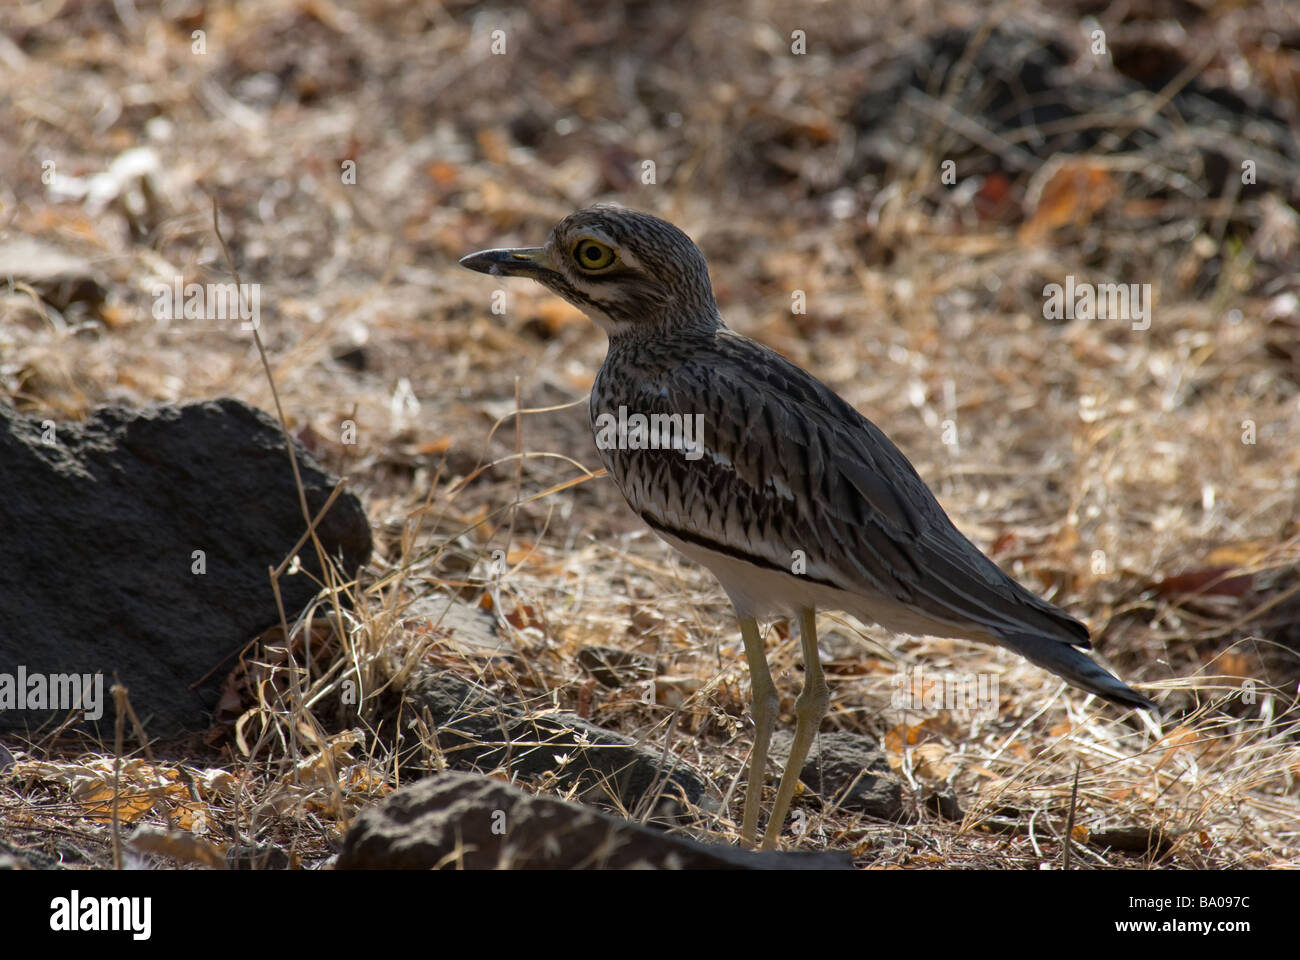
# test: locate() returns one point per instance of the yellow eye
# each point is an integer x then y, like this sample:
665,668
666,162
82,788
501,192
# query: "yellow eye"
592,255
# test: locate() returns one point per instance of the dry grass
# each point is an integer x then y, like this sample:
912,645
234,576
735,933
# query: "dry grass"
1095,461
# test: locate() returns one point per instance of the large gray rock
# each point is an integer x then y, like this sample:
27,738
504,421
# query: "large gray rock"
101,521
466,820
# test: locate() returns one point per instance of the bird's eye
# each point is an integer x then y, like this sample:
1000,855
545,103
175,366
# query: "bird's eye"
592,255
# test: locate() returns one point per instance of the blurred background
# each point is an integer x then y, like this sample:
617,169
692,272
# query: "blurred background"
884,192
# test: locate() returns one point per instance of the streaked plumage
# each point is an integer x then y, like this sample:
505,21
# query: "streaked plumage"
786,466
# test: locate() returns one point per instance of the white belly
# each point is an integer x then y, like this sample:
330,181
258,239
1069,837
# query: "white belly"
761,592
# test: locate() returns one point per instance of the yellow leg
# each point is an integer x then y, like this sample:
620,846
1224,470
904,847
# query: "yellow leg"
763,692
809,710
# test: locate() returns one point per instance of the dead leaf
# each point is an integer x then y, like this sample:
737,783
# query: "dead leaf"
179,845
929,761
432,448
1071,196
1209,580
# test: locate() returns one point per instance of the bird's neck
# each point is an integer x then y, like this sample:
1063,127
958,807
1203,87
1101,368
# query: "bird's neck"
666,328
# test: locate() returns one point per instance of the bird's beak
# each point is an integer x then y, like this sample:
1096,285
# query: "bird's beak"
510,262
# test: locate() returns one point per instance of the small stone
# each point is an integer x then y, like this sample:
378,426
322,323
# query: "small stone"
833,765
615,668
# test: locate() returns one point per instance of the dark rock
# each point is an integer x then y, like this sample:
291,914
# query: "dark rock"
1020,77
945,805
832,768
262,857
13,857
478,732
459,819
615,668
1144,841
102,520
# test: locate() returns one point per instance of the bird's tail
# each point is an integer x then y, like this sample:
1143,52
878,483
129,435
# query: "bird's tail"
1074,667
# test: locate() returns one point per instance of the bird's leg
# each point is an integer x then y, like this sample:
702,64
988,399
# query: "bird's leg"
809,710
763,692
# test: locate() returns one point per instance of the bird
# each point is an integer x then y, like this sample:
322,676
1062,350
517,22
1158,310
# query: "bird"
793,499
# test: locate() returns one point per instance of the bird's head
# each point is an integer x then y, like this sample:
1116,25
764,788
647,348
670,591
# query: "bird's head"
632,273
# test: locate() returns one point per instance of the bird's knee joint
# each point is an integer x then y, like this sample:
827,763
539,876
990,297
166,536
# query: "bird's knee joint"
814,701
766,706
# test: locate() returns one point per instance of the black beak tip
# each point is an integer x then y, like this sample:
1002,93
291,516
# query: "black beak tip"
480,262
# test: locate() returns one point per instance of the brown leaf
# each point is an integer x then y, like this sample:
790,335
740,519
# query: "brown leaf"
180,845
1073,194
494,144
1004,543
442,173
994,200
1208,580
432,448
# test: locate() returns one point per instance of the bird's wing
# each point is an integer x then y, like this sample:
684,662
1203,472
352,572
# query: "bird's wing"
783,464
788,465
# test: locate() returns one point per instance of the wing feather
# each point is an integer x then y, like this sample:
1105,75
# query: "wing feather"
789,465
